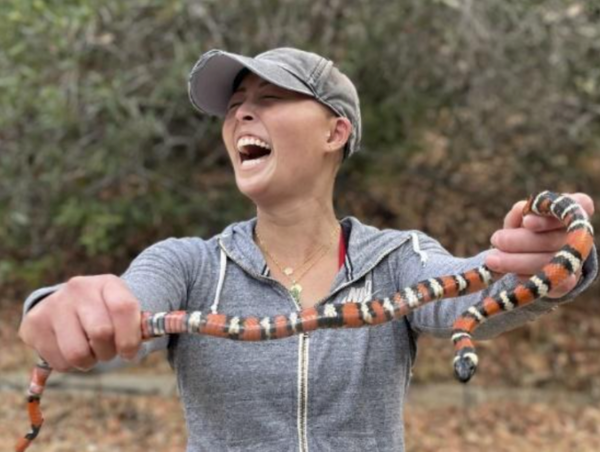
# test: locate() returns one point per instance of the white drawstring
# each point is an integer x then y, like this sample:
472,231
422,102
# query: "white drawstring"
417,249
215,305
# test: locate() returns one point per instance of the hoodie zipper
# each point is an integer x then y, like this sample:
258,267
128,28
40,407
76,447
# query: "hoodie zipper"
302,416
303,344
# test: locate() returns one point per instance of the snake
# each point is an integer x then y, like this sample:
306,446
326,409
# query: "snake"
566,262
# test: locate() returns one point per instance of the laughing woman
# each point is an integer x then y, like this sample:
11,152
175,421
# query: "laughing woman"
291,118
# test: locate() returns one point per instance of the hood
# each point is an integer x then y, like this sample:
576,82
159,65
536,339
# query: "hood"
366,246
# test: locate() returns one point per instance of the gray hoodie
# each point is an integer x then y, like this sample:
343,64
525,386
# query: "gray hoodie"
328,390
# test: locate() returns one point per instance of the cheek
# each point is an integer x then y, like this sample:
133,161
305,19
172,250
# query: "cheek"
226,134
300,137
225,131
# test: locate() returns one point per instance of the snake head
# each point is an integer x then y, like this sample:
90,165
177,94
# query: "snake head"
464,368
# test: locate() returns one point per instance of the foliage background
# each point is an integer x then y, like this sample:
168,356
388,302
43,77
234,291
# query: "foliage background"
467,107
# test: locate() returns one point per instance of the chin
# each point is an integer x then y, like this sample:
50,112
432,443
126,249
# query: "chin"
256,186
251,189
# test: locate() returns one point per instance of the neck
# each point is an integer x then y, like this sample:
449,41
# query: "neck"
295,231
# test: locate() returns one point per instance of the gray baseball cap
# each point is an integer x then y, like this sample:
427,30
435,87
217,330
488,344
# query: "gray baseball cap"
211,82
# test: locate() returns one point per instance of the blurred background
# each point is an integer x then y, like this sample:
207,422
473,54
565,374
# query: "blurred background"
467,108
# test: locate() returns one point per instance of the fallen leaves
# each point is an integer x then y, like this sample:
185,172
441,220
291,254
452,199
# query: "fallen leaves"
508,426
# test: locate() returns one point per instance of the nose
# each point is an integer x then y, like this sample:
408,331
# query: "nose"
244,112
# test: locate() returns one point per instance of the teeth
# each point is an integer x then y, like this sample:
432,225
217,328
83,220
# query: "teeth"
252,163
246,141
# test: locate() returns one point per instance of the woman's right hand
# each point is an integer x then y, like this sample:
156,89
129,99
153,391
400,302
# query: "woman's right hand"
89,319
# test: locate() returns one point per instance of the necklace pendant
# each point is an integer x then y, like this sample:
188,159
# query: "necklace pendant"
295,290
287,271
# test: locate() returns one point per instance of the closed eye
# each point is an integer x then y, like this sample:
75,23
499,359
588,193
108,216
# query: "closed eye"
237,103
233,105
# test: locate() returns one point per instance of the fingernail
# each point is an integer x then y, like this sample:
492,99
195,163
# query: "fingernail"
494,239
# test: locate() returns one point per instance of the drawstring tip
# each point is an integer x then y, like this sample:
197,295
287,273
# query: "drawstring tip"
417,249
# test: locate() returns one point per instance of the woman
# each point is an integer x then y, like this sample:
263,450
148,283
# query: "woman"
290,119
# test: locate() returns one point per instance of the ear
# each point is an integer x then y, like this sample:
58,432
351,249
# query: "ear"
339,133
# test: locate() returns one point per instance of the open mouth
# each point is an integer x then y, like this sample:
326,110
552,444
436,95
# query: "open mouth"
252,149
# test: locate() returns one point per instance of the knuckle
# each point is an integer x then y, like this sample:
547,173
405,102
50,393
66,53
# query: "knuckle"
111,279
32,318
23,334
78,356
124,306
26,336
101,333
77,282
129,349
85,282
33,328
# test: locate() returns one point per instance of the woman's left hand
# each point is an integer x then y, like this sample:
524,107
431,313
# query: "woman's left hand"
526,244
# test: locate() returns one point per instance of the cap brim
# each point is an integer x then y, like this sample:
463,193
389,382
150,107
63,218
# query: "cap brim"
210,84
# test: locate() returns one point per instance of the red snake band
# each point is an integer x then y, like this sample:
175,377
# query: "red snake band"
328,315
566,262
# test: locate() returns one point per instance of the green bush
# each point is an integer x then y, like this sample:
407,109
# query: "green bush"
467,107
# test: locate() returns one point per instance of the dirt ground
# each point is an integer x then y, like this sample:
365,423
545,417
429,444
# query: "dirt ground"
538,390
93,422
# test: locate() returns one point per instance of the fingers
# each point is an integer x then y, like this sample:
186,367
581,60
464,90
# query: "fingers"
52,354
526,265
528,243
538,223
514,218
584,201
124,311
518,263
73,343
88,319
523,240
39,335
99,330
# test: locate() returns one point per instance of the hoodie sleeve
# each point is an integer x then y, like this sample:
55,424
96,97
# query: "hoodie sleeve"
161,278
426,258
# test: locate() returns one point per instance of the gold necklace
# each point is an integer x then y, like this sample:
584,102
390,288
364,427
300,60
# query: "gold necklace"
288,272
